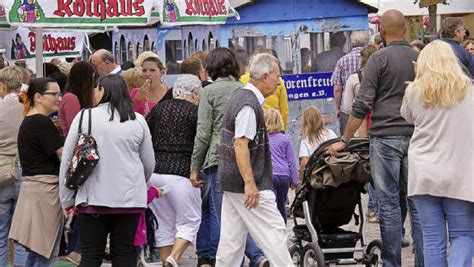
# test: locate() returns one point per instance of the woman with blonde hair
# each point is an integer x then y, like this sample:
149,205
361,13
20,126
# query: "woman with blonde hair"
313,133
440,102
144,55
284,170
133,78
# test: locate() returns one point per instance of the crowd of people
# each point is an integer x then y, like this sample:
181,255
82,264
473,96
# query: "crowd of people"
206,162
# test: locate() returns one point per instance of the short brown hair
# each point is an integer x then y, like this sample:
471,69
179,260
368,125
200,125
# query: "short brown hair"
191,65
202,56
449,26
221,62
156,60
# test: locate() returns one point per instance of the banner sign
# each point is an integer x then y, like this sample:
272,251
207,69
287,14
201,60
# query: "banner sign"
21,44
185,12
4,25
309,86
61,13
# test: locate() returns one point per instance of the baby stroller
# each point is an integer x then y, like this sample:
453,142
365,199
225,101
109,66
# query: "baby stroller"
331,190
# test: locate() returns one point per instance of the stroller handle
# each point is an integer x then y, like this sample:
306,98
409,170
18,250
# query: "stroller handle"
349,149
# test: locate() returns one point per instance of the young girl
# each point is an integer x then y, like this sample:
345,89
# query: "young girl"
313,133
283,160
141,236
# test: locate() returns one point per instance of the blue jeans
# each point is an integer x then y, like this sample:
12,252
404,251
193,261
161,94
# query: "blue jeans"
373,205
389,163
8,198
208,234
36,260
252,252
434,213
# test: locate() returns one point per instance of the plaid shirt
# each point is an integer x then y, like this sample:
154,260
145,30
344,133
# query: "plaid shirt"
346,66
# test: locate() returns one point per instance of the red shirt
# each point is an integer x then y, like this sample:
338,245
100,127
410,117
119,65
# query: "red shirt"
68,109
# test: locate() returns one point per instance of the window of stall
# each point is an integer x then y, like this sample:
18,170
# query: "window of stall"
130,51
321,51
146,43
173,53
123,50
190,44
116,52
139,49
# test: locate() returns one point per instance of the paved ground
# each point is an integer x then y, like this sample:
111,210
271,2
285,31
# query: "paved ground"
371,232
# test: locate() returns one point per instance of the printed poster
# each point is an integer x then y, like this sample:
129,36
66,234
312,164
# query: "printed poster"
21,44
76,13
182,12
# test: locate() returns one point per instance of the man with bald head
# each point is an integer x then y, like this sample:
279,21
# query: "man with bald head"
381,91
104,63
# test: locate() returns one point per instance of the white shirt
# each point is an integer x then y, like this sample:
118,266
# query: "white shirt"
350,93
246,120
307,148
116,70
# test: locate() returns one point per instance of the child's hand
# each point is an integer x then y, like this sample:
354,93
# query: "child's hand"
295,186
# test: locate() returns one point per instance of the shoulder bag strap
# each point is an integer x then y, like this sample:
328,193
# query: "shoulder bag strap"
80,122
90,122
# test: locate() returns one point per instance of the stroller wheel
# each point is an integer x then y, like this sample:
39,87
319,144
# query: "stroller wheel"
313,256
295,255
374,253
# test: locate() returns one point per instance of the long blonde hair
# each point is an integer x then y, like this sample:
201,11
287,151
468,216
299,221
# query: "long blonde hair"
440,79
273,120
313,125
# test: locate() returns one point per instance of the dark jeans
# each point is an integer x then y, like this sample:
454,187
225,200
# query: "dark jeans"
342,122
93,235
389,162
281,184
73,242
208,234
252,252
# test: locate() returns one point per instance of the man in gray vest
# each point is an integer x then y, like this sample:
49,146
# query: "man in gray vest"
245,172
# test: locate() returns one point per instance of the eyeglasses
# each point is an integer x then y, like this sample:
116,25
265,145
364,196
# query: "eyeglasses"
461,30
57,95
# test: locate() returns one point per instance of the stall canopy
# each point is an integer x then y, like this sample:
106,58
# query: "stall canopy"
107,13
98,15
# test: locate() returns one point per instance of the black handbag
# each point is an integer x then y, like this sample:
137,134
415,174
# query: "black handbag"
84,159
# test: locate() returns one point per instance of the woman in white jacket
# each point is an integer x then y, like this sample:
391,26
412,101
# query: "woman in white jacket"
112,198
440,103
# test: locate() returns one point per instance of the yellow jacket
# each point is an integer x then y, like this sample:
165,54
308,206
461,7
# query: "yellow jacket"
278,101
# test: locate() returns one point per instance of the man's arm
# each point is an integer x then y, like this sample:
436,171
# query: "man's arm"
336,79
202,139
337,98
362,105
242,156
